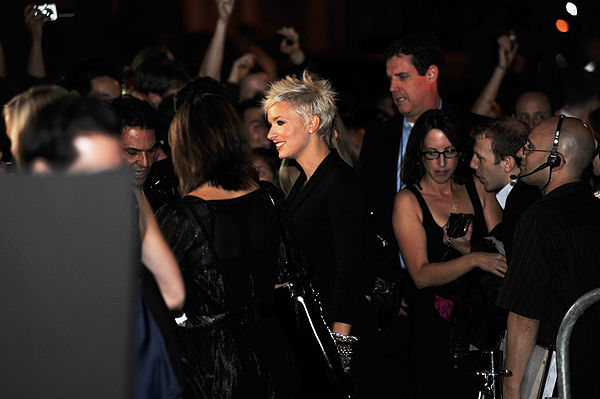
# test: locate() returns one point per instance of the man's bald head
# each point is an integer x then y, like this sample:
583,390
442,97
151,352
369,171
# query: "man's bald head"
531,107
576,142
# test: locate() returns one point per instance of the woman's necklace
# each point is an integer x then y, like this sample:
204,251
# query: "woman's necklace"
453,204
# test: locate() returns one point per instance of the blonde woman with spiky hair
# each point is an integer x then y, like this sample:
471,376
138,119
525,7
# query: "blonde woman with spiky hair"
325,202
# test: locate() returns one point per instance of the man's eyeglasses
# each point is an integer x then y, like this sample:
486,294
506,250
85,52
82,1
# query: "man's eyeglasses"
526,149
433,154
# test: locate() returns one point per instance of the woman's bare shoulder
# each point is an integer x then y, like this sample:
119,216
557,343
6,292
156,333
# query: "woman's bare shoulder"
406,202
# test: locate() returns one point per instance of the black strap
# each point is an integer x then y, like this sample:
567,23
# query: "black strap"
295,261
424,207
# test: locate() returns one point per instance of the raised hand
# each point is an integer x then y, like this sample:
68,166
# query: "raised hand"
507,49
224,9
34,20
241,67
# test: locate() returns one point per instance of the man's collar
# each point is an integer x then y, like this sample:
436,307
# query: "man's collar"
502,195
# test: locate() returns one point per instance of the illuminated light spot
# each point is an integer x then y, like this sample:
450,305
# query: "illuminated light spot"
562,25
571,9
590,66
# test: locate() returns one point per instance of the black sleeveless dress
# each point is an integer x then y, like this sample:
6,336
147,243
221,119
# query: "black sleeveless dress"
430,333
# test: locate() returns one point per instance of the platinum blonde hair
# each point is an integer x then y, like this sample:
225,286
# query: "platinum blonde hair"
309,96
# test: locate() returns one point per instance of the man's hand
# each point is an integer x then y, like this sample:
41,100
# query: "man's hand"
34,20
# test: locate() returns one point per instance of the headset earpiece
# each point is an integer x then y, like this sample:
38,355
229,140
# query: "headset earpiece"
554,160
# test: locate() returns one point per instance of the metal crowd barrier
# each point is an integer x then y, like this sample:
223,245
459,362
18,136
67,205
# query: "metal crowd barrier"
564,336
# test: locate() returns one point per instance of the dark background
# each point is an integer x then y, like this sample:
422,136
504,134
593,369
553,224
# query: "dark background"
344,38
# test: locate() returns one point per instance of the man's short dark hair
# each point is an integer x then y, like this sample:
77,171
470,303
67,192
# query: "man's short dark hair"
423,48
52,134
507,137
133,112
158,75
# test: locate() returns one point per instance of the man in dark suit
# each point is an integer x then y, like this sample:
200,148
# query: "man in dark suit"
412,67
496,164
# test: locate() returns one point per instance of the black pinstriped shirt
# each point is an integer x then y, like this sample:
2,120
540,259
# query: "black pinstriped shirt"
556,259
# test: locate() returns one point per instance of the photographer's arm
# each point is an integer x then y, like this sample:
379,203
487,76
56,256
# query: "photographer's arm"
35,26
213,59
412,241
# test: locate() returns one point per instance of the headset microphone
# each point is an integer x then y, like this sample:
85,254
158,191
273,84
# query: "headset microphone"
542,166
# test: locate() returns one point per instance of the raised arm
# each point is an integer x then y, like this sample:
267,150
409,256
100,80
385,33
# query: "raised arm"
35,26
213,59
412,241
158,258
507,49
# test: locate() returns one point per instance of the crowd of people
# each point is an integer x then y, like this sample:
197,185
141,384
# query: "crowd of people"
428,235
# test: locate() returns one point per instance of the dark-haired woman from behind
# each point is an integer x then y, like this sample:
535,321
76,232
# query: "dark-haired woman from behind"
438,184
225,234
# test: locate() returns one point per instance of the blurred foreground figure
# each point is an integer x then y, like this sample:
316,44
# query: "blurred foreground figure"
78,135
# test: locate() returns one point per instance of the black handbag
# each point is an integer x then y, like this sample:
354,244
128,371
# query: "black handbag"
299,311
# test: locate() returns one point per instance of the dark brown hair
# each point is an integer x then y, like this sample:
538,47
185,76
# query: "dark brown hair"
208,146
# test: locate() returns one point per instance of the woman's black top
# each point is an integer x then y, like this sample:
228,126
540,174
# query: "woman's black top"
435,232
228,252
328,214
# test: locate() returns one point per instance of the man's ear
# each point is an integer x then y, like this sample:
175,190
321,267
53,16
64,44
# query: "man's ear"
432,73
509,164
313,123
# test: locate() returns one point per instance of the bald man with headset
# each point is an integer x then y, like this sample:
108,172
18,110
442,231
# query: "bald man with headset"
556,255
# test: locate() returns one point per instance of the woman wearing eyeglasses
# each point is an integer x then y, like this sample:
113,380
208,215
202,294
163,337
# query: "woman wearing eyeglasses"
438,183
